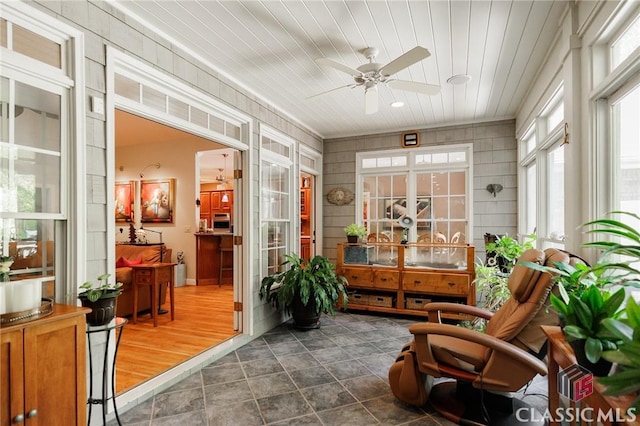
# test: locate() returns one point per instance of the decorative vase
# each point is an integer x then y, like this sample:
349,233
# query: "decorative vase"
599,369
103,310
305,316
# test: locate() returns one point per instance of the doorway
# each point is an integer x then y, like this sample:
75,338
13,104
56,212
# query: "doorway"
147,150
307,216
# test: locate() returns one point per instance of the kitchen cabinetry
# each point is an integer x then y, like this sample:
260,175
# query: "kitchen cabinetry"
211,202
214,258
304,203
397,278
43,370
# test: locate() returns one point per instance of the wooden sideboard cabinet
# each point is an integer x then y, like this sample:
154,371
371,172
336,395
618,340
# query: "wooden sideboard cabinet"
401,278
43,370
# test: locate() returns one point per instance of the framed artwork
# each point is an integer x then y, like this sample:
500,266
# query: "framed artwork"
124,193
157,199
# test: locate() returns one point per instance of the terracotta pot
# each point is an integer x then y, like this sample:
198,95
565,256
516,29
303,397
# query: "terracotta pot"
103,310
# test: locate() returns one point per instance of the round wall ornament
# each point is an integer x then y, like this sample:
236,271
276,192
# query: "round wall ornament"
340,196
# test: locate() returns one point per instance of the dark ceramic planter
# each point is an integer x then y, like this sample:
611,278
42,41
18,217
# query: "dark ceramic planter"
305,317
103,310
352,239
599,369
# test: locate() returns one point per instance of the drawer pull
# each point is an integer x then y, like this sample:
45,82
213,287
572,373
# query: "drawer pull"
19,418
354,277
383,279
451,284
417,281
32,413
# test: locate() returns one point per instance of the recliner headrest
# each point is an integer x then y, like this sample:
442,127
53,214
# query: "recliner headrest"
523,280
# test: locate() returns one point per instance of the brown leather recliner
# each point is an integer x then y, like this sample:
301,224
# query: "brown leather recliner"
504,358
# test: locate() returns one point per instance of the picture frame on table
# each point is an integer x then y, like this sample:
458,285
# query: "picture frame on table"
157,200
124,196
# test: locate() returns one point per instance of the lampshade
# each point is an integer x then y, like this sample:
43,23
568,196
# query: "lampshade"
225,198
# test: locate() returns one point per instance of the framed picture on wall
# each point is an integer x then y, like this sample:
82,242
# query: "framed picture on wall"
124,193
157,199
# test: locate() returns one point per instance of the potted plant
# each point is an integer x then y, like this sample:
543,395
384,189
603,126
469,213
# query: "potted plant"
505,251
354,232
101,298
5,267
305,289
626,379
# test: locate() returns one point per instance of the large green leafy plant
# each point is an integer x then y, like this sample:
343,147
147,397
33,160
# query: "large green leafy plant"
506,250
94,291
313,279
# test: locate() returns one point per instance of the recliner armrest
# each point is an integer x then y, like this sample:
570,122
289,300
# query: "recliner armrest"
434,309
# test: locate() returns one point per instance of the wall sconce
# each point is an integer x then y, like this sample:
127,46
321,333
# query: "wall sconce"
494,188
156,165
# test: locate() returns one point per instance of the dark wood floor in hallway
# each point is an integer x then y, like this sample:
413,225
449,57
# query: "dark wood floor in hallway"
203,318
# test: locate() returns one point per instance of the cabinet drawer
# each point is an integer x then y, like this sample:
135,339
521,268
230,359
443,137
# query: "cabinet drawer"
386,279
143,276
357,277
435,283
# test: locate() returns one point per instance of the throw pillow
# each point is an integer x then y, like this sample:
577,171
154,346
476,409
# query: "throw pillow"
122,262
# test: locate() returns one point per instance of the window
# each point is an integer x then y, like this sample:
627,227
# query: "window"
35,143
276,199
624,45
542,175
430,186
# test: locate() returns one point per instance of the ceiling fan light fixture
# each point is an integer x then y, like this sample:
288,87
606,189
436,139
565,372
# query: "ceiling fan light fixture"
397,104
459,79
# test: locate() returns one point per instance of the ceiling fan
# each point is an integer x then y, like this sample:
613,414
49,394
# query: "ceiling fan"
371,74
220,178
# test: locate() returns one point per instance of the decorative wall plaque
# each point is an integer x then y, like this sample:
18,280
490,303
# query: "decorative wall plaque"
340,196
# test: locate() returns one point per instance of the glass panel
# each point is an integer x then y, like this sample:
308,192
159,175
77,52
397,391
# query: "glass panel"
154,98
556,193
458,183
423,159
29,242
456,157
233,131
458,207
178,109
626,44
384,162
216,124
37,118
442,157
555,117
37,47
369,163
531,214
3,32
4,109
399,161
199,117
628,111
440,183
531,143
423,184
128,88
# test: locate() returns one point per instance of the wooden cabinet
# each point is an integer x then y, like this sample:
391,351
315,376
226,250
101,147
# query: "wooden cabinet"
43,370
214,258
397,278
212,202
305,247
305,204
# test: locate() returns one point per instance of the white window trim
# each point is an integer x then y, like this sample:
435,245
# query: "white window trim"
304,150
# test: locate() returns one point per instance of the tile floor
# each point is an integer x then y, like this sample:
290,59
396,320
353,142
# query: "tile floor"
335,375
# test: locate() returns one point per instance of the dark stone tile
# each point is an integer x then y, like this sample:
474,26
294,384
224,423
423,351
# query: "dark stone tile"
360,350
349,415
345,339
358,327
193,418
430,421
285,337
367,387
168,404
347,369
311,377
389,411
298,361
249,354
229,358
245,413
317,344
222,374
335,354
327,396
287,348
139,413
308,420
227,393
334,330
378,334
284,406
312,334
390,345
256,343
271,384
378,364
194,381
261,367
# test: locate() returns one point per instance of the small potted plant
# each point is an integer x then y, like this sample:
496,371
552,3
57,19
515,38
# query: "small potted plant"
5,267
101,298
354,232
306,289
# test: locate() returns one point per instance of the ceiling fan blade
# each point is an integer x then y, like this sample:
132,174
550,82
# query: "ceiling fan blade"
371,100
405,60
328,91
413,86
337,65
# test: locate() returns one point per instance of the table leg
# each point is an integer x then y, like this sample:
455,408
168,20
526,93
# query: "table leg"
171,287
135,299
154,302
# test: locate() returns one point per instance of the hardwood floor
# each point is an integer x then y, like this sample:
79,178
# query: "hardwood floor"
203,318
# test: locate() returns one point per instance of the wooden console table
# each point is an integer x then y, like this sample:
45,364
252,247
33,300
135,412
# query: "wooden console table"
152,275
560,357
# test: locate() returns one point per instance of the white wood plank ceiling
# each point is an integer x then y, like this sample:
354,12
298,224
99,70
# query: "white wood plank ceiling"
270,47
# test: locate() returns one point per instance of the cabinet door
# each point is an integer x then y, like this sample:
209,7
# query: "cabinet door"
304,203
55,373
205,207
11,376
215,200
